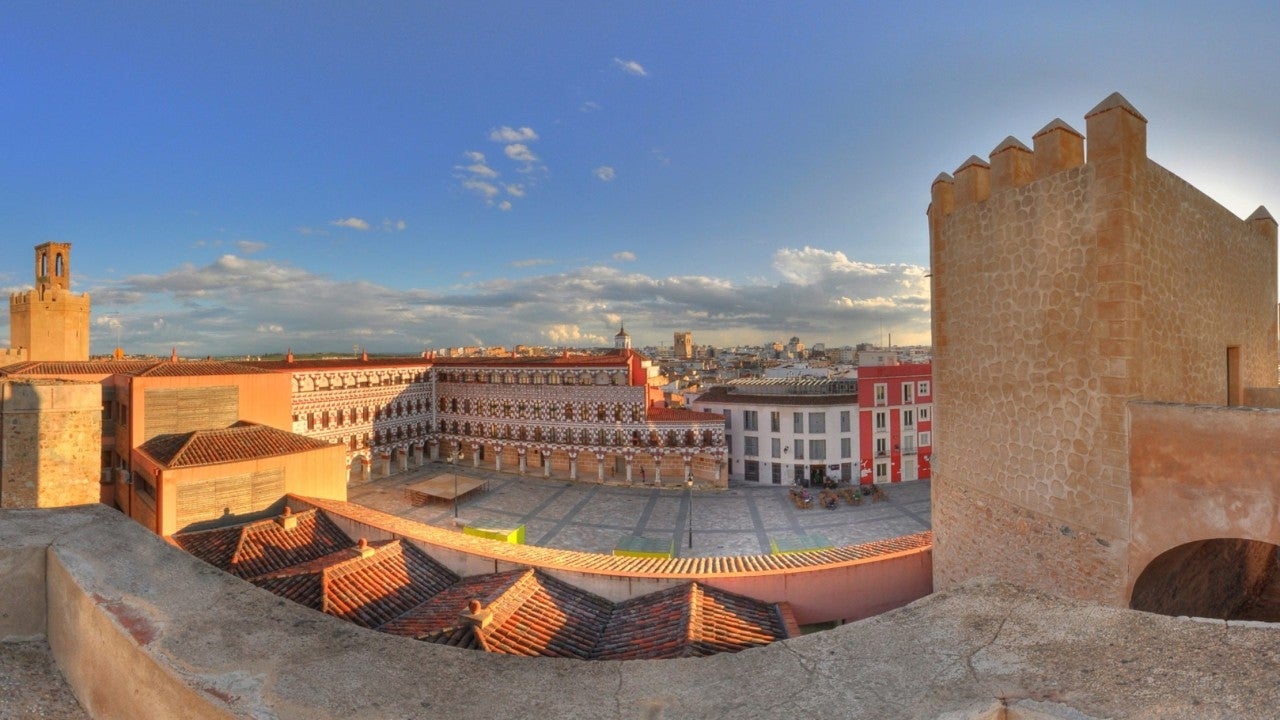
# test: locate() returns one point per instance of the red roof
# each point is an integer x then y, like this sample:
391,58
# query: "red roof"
368,591
661,414
265,546
396,588
242,441
691,620
139,368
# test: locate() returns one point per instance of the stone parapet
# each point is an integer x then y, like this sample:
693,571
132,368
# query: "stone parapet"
122,603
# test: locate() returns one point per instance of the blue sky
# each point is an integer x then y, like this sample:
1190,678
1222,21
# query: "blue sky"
243,177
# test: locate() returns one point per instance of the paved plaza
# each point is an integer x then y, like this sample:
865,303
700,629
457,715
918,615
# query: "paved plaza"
741,520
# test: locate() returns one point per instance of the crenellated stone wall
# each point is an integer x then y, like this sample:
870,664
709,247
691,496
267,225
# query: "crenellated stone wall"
1063,290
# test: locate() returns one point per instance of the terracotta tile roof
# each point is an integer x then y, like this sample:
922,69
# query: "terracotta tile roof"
337,363
544,617
265,546
442,613
397,588
691,620
139,368
242,441
683,415
368,591
90,367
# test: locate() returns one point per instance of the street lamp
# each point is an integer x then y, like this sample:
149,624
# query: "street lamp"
455,496
688,482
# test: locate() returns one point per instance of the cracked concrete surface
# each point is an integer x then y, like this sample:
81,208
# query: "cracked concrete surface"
984,650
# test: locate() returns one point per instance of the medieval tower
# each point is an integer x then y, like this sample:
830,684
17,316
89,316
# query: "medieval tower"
1066,291
49,322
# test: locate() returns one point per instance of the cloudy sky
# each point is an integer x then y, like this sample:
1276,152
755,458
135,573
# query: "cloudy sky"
243,177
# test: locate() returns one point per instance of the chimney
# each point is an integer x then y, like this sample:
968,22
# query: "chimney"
363,549
287,520
476,615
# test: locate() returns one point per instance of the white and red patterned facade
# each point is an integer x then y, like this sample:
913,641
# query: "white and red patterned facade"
582,416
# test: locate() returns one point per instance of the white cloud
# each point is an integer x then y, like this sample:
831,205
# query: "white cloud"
567,334
389,225
478,169
630,67
605,173
249,247
239,305
514,189
811,265
505,134
354,223
504,206
520,153
589,106
485,190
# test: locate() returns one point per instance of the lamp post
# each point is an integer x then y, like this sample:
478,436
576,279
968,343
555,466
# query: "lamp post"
688,482
455,496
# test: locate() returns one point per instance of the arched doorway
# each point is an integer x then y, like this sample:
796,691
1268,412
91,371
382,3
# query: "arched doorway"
1226,578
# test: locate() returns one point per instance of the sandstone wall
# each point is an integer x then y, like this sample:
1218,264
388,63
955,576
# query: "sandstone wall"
50,443
1062,291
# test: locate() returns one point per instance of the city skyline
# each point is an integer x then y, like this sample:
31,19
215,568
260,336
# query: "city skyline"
248,178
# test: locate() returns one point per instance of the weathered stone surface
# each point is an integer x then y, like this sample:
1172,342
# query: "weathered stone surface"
171,630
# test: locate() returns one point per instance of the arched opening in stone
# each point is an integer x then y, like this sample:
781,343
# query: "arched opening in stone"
1226,578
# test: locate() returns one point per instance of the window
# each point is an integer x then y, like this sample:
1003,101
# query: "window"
797,422
728,444
908,418
775,422
882,447
882,421
882,394
750,420
777,474
908,444
844,421
882,472
727,415
846,448
817,449
817,423
908,393
750,445
925,439
922,388
799,444
924,414
775,447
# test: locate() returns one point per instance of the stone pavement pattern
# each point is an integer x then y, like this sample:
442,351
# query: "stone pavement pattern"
31,685
741,520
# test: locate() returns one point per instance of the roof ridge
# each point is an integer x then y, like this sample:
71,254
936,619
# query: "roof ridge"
693,614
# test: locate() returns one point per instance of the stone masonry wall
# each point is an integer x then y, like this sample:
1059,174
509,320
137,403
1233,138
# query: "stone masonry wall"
1062,291
50,440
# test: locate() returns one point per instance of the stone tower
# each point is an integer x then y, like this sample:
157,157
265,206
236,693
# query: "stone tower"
1064,291
49,322
622,341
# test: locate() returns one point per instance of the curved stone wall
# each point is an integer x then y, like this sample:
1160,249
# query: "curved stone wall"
140,629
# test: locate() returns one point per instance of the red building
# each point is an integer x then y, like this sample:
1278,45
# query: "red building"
895,422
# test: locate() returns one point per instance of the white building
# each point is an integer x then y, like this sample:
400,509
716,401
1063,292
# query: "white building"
780,431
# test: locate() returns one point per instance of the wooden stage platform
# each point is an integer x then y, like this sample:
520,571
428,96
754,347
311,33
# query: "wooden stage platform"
442,489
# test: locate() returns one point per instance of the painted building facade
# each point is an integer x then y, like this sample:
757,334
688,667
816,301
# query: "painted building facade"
787,430
895,421
585,417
